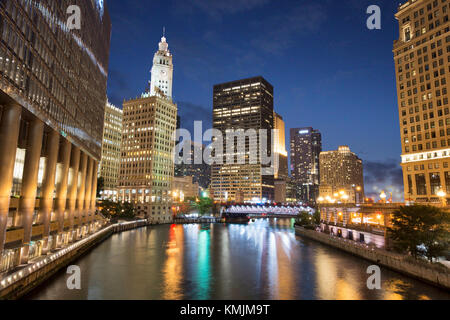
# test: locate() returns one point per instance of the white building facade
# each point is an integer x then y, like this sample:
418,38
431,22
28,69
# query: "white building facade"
162,71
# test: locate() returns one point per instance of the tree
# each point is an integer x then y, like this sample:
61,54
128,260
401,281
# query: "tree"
203,205
100,185
117,210
420,230
305,219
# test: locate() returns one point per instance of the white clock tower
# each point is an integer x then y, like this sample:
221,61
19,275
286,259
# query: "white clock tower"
162,71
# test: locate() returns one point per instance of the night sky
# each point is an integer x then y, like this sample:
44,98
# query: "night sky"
328,70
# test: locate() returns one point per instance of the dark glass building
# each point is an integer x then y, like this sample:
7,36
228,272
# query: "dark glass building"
243,104
306,145
200,172
52,102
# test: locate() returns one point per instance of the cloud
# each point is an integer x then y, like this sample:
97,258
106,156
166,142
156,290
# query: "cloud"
383,175
190,112
118,87
216,9
281,31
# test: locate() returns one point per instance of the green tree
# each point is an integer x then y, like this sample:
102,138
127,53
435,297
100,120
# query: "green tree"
305,219
420,230
203,205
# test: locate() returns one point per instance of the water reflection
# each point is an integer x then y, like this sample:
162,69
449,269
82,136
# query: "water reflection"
173,267
261,260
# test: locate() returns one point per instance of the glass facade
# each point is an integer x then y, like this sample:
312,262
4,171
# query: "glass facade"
58,74
243,104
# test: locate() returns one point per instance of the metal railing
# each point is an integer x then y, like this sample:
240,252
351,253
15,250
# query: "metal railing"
8,280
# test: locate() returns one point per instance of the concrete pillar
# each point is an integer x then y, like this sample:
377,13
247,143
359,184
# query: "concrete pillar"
88,190
29,183
61,188
87,197
9,134
81,189
72,188
92,206
48,185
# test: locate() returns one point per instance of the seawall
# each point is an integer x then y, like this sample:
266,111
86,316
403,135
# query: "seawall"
436,276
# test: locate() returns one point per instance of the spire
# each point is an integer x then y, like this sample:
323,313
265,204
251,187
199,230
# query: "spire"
163,46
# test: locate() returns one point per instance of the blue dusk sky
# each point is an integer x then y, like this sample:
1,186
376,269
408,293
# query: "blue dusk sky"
328,70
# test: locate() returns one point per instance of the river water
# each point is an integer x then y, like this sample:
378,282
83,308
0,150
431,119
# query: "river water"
261,260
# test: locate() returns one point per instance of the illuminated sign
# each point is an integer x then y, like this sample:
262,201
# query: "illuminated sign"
303,131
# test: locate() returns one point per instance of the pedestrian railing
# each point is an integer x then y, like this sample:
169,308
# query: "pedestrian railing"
7,280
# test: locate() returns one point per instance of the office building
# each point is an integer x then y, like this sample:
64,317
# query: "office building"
341,176
184,188
146,166
243,104
422,62
306,145
279,148
110,161
52,102
199,170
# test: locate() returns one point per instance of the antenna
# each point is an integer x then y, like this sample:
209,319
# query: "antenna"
164,31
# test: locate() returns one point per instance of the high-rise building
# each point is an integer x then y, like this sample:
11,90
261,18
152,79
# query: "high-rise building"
146,166
306,145
422,62
243,104
199,170
341,176
279,148
52,101
110,161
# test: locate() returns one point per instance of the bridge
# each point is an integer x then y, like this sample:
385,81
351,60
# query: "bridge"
267,211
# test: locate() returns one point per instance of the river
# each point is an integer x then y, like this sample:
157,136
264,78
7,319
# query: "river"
261,260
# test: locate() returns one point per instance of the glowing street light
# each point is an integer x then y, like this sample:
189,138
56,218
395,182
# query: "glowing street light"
383,196
345,197
441,194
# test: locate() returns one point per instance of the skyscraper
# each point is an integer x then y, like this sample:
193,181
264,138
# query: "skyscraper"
199,170
279,149
306,145
243,104
146,168
422,62
52,97
112,140
341,176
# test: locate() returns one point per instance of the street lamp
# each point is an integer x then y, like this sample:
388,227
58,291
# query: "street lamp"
383,196
345,197
441,194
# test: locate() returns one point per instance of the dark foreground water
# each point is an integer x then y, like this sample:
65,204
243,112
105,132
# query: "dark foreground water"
261,260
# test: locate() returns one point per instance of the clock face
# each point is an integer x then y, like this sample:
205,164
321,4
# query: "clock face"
163,72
